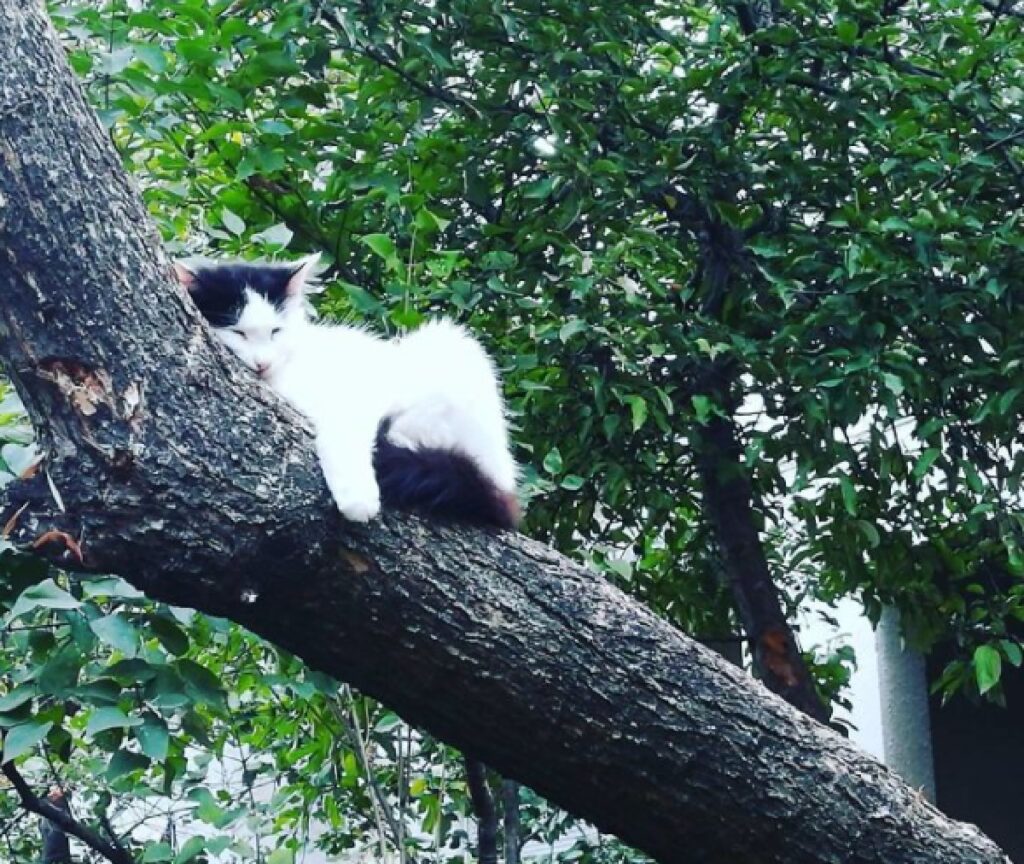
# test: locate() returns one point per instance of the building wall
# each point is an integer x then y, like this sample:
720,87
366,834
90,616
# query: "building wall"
979,760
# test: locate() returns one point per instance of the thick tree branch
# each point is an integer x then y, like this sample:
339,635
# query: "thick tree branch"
63,819
168,465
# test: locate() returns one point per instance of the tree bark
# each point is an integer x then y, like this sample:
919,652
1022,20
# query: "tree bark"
167,464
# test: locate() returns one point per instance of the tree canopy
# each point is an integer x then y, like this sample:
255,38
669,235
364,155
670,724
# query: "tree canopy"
751,274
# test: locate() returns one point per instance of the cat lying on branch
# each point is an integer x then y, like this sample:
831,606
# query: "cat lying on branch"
416,421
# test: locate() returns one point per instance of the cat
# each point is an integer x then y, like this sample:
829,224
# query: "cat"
416,421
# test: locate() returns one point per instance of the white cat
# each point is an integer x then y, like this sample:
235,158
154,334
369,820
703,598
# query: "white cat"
414,421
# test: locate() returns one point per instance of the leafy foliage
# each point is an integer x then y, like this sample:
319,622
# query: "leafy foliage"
825,209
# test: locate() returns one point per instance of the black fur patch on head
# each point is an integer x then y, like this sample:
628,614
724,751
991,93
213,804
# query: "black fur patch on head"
219,289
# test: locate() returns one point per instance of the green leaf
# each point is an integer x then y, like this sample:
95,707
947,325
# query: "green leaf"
1008,398
216,845
928,429
152,56
281,855
153,737
111,586
987,667
849,495
17,697
571,328
117,632
61,670
572,482
895,224
870,532
125,762
45,595
112,62
498,261
553,461
279,235
109,717
539,189
704,408
925,461
847,31
430,223
1012,652
973,477
893,383
381,245
200,682
209,810
157,852
190,849
23,737
170,635
232,222
638,410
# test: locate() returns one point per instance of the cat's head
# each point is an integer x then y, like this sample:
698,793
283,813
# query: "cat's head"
252,306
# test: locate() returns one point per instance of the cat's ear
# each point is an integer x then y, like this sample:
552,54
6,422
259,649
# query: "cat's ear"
185,276
303,277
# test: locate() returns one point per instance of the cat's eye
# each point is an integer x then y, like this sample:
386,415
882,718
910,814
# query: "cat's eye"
275,332
240,333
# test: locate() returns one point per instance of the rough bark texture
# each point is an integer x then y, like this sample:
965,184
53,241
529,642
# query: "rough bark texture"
167,465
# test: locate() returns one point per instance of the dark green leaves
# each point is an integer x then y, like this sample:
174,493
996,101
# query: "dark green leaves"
20,739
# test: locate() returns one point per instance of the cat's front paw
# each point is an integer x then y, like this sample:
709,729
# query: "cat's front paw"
359,509
358,499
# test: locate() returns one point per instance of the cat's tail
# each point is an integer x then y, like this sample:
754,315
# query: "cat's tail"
442,483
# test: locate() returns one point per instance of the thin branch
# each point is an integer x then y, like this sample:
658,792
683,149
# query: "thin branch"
483,807
510,814
381,806
432,90
112,834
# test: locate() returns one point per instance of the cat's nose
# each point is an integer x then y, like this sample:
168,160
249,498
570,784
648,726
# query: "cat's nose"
262,369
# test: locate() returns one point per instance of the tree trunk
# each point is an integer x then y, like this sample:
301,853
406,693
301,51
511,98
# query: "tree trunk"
729,499
729,503
167,464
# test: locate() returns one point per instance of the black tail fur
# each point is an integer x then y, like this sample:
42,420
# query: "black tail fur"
440,482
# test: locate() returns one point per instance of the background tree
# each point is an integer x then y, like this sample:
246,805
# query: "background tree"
761,266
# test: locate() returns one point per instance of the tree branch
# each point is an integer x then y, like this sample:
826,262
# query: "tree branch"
510,821
483,807
63,819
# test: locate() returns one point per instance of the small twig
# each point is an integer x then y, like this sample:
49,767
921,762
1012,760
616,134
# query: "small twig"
381,809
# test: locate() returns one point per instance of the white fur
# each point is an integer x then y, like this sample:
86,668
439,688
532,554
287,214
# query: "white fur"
437,383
